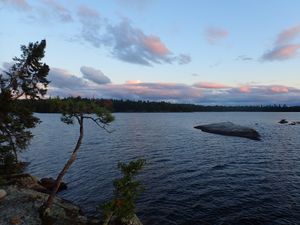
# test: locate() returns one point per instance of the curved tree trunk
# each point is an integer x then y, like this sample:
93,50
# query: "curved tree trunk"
59,178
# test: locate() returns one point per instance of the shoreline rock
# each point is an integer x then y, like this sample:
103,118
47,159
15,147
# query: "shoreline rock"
2,194
23,198
230,129
22,205
49,182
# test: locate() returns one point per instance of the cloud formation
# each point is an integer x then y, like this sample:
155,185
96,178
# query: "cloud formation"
215,34
126,42
18,4
91,24
59,10
288,35
94,75
45,10
184,59
283,49
211,85
65,84
63,80
282,52
244,58
132,45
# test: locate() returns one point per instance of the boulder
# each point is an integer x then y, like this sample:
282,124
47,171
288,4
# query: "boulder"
2,194
25,180
230,129
283,121
49,183
22,206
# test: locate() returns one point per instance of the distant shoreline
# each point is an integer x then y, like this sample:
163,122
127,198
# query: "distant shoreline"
129,106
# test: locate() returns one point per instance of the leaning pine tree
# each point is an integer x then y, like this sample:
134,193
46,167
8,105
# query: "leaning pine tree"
77,111
26,78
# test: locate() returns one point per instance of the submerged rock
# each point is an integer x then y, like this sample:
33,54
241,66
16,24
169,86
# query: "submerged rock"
230,129
283,121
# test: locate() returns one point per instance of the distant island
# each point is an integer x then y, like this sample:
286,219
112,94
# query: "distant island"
50,106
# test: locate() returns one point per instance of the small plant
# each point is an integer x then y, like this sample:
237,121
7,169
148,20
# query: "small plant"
127,190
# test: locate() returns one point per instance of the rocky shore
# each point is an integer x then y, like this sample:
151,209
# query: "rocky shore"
23,195
23,198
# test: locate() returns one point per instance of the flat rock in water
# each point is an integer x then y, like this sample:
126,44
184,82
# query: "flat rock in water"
230,129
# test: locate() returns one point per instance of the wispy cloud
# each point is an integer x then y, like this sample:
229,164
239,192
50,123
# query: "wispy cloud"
42,11
288,35
136,4
184,59
244,58
215,34
91,25
282,52
59,10
18,4
283,49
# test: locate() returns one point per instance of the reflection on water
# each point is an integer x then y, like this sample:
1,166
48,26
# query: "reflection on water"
191,177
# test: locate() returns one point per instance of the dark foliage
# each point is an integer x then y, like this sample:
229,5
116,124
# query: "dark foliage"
27,78
48,106
126,192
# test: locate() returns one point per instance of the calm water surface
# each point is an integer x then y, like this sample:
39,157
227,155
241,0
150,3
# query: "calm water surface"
191,177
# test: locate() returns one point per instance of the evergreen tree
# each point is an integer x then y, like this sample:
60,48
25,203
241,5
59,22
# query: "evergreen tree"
76,110
27,78
127,190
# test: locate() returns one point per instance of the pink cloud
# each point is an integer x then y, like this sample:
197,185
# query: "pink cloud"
279,89
215,34
288,34
133,82
245,89
210,85
66,84
282,52
155,46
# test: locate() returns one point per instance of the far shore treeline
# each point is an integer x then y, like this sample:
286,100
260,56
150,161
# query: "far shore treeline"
50,106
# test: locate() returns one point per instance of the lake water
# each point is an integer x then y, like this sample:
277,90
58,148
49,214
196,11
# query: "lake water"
191,177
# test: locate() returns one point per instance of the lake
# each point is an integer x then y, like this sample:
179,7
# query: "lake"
191,177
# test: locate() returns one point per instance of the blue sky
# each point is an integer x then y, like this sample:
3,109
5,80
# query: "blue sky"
205,52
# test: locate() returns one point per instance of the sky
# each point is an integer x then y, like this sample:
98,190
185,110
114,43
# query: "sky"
225,52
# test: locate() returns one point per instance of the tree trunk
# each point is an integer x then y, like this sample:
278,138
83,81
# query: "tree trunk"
66,167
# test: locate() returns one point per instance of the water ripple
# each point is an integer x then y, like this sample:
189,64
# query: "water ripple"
191,177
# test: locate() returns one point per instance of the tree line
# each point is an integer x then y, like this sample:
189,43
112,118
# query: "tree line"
51,105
